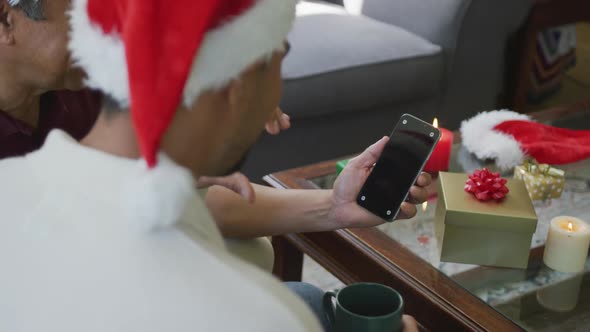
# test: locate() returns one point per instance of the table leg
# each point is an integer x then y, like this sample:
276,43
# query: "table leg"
288,264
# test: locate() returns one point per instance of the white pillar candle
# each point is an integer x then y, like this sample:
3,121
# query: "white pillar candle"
567,243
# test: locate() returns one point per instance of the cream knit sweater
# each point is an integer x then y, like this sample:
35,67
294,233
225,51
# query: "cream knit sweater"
70,261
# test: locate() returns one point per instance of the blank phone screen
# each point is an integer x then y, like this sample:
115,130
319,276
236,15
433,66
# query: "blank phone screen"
397,168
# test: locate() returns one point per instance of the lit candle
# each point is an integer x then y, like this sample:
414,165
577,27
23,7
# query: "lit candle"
439,160
567,243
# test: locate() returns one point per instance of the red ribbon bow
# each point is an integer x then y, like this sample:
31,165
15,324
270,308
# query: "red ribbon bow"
486,185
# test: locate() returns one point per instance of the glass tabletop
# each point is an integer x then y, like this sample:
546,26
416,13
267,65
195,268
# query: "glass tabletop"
538,298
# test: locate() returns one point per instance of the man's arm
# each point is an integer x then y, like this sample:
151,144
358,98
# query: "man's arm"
277,211
274,212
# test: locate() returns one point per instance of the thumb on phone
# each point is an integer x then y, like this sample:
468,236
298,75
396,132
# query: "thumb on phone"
370,155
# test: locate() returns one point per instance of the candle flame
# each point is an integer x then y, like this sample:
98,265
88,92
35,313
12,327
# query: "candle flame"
435,123
570,226
424,206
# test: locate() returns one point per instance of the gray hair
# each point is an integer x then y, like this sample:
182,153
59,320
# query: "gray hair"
32,8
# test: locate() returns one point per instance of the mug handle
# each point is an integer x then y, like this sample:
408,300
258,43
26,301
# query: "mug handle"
329,307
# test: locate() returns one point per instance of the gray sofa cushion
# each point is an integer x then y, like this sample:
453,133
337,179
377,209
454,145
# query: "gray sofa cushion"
341,62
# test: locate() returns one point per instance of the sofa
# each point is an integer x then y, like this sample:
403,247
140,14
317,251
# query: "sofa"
356,66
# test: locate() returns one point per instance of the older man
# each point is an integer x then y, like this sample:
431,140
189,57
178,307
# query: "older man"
34,62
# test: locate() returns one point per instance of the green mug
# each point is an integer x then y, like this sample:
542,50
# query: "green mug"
364,307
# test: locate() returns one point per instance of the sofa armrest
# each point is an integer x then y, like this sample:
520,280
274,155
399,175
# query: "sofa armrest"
474,35
443,21
336,2
466,28
436,20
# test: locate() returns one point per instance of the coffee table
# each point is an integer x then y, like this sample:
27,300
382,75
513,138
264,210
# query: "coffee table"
447,296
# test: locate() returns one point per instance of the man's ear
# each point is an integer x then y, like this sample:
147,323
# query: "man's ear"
6,23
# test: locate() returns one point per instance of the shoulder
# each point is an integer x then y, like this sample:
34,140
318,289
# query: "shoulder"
72,111
15,137
11,167
83,97
18,184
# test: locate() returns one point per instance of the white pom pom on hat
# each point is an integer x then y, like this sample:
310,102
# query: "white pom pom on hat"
156,198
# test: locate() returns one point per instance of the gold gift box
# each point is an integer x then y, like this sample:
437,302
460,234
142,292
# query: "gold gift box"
484,233
542,181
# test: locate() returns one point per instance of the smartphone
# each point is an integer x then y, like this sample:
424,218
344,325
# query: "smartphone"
398,167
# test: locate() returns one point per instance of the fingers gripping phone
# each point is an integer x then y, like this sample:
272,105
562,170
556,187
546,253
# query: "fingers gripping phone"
398,167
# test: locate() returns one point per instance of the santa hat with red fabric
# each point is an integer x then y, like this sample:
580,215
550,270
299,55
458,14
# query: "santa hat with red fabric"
153,55
509,137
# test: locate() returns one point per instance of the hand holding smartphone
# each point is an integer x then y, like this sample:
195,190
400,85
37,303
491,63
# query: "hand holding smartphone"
401,162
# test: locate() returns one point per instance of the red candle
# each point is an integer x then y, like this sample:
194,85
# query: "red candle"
441,156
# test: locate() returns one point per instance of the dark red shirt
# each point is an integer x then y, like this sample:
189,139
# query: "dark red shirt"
72,112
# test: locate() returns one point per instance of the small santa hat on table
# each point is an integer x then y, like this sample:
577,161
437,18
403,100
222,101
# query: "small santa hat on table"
151,55
508,137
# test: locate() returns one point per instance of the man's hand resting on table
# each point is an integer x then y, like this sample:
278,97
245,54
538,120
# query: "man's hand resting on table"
347,213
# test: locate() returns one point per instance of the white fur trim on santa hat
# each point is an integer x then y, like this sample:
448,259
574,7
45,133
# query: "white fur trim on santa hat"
256,33
157,198
479,138
101,56
223,55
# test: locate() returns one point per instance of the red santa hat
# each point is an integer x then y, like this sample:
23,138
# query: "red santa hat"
508,137
151,55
